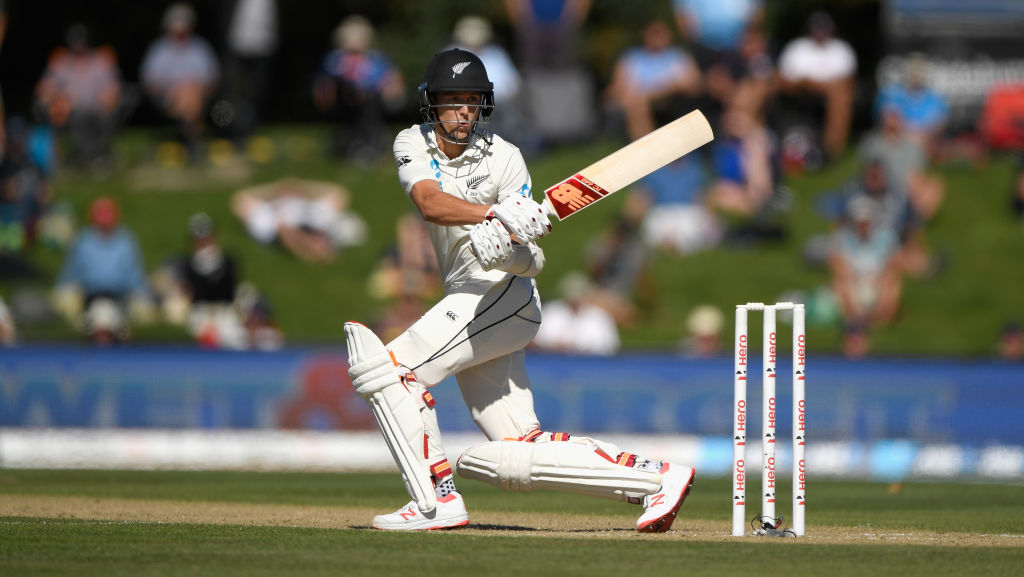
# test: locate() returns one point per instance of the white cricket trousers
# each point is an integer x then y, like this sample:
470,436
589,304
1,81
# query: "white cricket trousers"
477,332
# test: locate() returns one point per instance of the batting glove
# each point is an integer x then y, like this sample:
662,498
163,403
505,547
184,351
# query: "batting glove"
491,244
523,217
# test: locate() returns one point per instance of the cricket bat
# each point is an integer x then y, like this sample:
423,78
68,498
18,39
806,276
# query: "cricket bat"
629,164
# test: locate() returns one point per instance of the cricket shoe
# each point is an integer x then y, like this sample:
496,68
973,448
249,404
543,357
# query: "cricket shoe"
660,508
449,513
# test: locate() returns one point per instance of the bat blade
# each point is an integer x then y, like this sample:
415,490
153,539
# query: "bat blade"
629,164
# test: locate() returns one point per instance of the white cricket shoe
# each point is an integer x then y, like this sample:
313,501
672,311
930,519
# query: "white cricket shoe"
450,512
660,508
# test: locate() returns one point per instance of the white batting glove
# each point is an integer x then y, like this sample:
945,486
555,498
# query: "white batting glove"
523,217
491,244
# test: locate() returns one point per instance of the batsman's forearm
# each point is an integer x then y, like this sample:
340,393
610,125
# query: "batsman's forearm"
440,208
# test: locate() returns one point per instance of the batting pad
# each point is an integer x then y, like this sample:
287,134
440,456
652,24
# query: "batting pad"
397,412
574,466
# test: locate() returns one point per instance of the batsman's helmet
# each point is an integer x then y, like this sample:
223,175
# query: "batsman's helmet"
455,70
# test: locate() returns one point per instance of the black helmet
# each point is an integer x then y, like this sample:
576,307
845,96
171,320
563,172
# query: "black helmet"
455,70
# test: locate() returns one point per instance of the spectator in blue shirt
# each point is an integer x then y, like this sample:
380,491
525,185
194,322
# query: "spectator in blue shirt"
716,27
357,88
923,109
103,275
730,49
653,81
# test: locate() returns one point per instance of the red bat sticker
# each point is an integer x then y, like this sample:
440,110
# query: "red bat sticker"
573,194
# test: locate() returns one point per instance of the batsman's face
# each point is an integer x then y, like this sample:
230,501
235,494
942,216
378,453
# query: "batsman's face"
458,111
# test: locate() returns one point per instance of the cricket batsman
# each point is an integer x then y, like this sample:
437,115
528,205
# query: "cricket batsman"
474,192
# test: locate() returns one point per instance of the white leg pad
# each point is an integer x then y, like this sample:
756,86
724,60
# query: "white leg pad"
397,411
573,466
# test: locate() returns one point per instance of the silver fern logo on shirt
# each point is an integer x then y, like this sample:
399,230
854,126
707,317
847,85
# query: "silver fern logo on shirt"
459,68
473,183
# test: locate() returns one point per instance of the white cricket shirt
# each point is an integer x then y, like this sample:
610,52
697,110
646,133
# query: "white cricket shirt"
486,173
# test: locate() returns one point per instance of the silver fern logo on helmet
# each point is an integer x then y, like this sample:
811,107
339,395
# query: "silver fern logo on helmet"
459,68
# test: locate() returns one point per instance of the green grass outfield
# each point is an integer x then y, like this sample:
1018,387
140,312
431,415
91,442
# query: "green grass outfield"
85,523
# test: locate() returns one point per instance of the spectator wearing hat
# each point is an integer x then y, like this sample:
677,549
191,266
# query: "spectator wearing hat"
704,327
180,72
210,273
821,67
475,34
103,277
574,324
210,281
357,87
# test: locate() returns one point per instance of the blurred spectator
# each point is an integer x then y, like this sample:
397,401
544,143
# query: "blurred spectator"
1011,341
80,92
25,189
676,216
357,87
409,267
818,69
210,280
308,217
252,41
896,214
745,171
210,274
618,261
179,73
262,329
1000,125
865,267
923,109
475,34
719,34
704,326
715,29
749,88
574,325
202,290
856,342
559,92
547,31
104,277
906,162
651,83
8,330
872,181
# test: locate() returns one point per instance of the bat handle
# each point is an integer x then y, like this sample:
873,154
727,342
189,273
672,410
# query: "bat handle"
550,210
